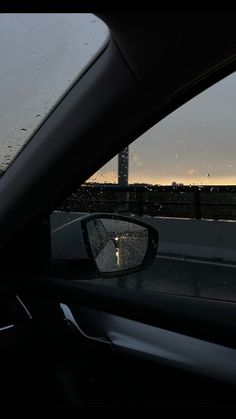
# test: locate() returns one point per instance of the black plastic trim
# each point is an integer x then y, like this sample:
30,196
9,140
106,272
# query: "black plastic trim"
210,320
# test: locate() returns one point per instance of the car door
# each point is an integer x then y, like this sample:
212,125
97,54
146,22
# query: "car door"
109,345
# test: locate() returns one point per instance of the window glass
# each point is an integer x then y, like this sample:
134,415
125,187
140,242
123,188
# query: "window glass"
195,145
41,56
180,177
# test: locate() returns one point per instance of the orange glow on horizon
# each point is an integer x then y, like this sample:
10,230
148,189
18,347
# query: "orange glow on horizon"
111,177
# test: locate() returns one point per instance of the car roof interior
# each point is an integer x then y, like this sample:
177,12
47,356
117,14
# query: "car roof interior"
151,65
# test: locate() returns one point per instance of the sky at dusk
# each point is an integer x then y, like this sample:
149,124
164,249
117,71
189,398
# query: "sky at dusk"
193,145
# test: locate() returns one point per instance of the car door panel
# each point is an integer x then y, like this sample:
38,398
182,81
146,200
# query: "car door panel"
188,315
161,346
116,348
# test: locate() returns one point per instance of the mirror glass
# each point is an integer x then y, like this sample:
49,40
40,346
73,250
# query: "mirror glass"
117,245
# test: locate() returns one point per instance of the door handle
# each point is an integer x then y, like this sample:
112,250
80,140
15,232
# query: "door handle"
70,320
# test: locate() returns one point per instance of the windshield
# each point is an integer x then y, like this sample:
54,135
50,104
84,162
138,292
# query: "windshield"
41,56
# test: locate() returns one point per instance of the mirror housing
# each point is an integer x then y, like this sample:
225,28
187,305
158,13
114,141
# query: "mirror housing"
118,245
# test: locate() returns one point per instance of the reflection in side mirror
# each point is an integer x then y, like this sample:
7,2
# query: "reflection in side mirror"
118,244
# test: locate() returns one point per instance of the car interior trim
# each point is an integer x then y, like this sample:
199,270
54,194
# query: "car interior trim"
71,321
6,327
188,353
24,307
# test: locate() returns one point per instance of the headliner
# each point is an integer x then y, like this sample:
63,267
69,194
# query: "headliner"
178,47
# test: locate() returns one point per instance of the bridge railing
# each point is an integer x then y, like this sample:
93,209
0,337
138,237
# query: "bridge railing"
199,202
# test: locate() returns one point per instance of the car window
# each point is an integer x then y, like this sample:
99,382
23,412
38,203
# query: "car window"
180,177
41,57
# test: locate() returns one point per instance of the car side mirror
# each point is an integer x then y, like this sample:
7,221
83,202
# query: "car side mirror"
118,245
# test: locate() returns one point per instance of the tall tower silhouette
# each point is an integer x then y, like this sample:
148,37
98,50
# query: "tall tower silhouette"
123,167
